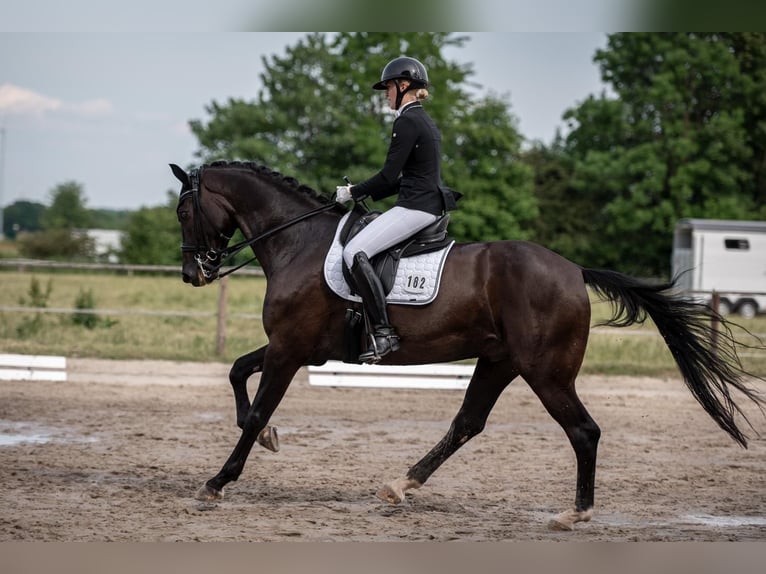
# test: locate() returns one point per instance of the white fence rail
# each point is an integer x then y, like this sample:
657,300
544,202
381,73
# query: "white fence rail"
438,376
32,368
26,264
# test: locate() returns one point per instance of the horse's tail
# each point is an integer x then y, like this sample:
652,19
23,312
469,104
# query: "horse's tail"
709,370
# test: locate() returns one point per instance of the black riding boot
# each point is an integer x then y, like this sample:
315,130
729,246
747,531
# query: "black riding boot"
384,338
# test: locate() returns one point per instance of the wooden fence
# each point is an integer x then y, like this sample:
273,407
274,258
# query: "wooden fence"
22,265
221,314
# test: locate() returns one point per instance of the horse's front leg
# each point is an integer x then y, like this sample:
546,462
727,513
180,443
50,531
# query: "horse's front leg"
240,372
277,375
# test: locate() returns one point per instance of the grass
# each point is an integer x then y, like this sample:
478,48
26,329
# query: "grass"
634,351
119,336
639,350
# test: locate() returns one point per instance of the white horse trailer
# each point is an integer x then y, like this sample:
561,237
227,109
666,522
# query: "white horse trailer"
723,256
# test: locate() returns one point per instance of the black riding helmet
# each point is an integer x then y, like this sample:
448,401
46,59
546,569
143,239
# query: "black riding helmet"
403,68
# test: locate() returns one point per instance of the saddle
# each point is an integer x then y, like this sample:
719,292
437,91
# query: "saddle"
429,239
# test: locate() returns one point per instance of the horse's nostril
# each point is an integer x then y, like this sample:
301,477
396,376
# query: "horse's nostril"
187,278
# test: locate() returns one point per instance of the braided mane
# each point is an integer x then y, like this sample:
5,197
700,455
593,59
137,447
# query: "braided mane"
283,181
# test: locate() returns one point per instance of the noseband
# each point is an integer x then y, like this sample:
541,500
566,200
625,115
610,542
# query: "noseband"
210,259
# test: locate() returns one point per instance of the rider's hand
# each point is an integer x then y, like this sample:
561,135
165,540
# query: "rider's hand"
343,193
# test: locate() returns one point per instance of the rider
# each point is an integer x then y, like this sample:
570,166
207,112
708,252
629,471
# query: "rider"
413,171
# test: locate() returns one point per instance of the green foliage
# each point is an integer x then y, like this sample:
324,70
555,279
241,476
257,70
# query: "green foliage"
484,161
85,302
59,243
29,326
22,216
317,119
67,209
38,298
135,335
61,224
152,235
26,217
109,218
686,137
564,224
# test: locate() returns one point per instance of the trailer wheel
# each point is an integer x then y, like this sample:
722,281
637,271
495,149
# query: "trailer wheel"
724,307
748,308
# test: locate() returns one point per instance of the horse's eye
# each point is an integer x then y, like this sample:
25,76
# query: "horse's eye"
183,215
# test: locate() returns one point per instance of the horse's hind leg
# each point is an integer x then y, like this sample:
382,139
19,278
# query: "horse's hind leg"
488,382
563,404
240,372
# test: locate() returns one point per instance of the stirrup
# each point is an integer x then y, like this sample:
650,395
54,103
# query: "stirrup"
375,353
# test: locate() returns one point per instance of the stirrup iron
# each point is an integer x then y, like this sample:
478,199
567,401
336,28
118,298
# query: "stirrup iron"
373,354
376,356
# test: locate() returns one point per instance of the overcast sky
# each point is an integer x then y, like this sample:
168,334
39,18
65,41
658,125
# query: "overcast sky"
110,110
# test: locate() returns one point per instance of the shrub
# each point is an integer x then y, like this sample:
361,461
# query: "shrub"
38,298
55,244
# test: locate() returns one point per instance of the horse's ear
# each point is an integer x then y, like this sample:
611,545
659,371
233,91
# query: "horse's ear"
181,175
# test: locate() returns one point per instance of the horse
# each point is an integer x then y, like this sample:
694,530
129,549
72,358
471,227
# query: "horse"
517,308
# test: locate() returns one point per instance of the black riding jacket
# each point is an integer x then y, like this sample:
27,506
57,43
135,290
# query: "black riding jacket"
413,164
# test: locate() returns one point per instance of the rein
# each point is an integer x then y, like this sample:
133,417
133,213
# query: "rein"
234,249
214,258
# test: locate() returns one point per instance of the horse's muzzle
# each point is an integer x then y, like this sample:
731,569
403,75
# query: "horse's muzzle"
193,274
197,279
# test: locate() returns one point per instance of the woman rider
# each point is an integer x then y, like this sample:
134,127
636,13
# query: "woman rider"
413,171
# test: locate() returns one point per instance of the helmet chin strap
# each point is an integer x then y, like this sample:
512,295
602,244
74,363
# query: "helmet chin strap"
400,94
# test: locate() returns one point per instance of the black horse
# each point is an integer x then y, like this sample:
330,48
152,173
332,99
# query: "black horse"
516,307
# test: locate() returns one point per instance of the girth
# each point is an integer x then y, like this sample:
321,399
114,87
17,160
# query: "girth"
431,238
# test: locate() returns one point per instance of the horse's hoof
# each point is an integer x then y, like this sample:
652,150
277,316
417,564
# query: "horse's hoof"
387,494
268,438
555,524
567,519
208,494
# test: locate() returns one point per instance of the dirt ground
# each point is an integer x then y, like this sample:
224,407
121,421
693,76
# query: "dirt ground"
117,452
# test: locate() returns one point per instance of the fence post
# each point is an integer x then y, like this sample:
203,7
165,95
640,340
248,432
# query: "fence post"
220,337
715,303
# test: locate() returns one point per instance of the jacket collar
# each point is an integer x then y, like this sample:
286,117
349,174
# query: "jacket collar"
408,106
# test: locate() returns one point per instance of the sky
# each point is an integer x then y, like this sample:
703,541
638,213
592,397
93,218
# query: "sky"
110,110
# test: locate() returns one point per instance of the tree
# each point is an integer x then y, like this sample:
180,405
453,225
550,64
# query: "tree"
750,50
57,239
109,218
152,235
485,162
684,138
60,244
67,209
565,213
22,216
317,119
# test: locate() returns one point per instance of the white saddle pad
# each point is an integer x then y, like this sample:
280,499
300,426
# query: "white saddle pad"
417,279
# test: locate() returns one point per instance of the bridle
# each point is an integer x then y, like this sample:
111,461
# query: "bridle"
210,259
